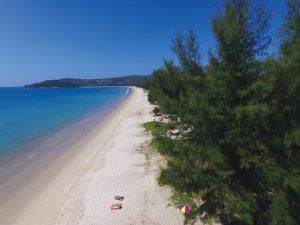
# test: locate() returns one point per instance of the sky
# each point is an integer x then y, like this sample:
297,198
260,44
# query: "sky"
53,39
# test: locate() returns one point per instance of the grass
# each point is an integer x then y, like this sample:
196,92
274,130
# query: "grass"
156,128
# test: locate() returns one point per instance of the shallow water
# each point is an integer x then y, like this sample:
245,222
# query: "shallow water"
36,121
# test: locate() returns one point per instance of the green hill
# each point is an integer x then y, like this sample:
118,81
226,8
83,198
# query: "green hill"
136,80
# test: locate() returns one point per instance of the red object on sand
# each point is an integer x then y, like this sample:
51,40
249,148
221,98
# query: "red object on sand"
116,206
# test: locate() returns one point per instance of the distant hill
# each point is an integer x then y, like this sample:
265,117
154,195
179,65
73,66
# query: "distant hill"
137,80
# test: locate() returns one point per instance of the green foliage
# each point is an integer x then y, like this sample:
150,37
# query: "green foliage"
156,110
242,155
280,210
156,128
164,145
187,51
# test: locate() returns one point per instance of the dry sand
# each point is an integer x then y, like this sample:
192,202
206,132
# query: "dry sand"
79,186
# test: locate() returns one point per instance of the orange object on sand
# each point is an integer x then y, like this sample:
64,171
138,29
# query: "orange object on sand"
116,206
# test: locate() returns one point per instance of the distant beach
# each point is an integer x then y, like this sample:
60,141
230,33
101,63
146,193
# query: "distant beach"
77,185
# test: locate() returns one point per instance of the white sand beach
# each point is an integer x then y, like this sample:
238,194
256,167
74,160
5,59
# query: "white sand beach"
79,186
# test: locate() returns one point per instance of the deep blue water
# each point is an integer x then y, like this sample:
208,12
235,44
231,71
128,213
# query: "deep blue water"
27,114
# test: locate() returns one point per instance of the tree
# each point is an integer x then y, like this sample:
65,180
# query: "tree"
187,51
241,33
172,85
242,156
285,102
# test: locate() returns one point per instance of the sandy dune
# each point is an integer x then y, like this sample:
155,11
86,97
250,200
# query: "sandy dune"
78,187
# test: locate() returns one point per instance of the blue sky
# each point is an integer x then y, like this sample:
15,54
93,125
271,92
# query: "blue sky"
55,39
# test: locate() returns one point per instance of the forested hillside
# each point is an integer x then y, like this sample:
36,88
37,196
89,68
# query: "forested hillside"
240,162
137,80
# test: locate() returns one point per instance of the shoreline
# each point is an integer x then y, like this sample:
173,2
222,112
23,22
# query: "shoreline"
78,186
54,141
26,175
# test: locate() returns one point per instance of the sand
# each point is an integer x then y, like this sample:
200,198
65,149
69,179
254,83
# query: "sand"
79,186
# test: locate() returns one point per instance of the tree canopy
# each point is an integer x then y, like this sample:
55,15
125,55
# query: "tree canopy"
240,164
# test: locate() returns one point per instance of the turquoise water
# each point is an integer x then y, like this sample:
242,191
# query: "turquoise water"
28,114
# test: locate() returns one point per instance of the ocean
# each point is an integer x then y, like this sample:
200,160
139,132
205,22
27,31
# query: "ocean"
36,121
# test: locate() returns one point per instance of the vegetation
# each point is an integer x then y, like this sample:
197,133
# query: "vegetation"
156,110
243,153
156,128
75,83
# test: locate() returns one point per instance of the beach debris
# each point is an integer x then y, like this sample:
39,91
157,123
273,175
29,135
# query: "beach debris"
118,197
175,132
116,206
180,205
184,209
157,114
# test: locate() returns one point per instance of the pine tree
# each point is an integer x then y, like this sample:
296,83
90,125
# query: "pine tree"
285,127
243,154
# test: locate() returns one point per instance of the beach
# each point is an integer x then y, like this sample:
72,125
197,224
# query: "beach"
78,186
